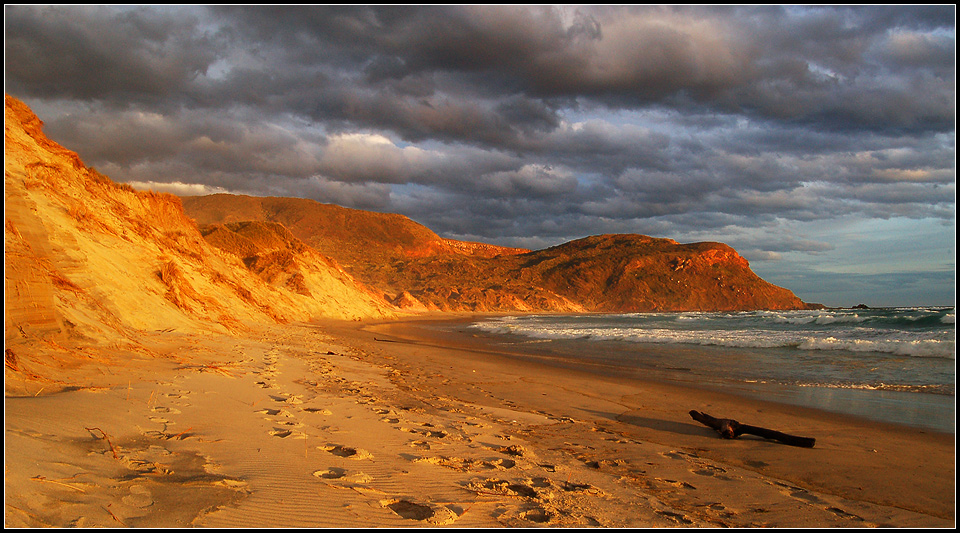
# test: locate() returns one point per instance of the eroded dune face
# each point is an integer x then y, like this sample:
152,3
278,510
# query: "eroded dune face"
89,258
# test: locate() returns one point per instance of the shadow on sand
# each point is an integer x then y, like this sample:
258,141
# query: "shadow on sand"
658,424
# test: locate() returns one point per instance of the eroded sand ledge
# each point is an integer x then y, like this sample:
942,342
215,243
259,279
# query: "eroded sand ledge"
350,424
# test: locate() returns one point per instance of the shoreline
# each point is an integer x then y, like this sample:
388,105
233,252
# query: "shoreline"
927,411
330,424
838,432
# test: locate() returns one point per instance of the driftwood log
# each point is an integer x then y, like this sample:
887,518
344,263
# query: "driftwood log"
731,429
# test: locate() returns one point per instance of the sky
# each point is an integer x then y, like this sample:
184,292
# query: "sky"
819,142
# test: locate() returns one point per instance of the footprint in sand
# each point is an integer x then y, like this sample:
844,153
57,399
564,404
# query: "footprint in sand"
514,450
675,483
524,491
464,464
431,433
798,493
460,464
537,515
340,474
474,423
330,473
596,465
178,395
438,516
704,469
273,414
679,518
346,451
568,486
139,497
388,416
676,455
236,484
501,486
292,399
409,510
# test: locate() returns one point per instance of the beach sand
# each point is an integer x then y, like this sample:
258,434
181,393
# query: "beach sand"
364,424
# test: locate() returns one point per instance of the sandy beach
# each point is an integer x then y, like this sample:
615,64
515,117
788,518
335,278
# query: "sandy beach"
380,424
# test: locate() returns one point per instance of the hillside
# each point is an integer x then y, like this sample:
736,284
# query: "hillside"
91,261
351,236
631,273
416,269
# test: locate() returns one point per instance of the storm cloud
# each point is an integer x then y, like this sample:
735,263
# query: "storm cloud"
769,128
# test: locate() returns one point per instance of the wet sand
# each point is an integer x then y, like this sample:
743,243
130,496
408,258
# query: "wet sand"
350,424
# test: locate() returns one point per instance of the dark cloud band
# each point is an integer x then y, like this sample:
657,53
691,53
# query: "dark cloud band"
514,124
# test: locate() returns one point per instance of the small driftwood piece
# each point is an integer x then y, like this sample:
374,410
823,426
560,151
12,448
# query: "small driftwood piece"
731,429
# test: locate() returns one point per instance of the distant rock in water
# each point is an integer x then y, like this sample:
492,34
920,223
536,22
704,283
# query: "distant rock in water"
414,268
860,306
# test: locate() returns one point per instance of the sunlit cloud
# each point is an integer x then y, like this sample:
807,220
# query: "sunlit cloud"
177,188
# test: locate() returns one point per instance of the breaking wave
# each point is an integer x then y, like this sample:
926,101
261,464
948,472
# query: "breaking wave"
914,333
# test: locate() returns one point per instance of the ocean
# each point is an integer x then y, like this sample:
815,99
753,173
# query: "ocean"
892,364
